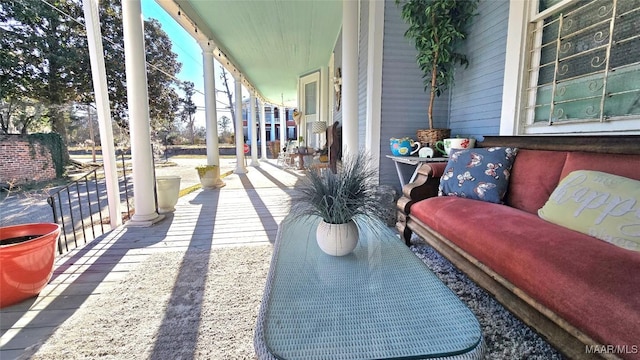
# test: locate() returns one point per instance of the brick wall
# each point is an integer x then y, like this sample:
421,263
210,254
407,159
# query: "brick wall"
19,164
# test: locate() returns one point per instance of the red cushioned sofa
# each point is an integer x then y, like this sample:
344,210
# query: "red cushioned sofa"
581,293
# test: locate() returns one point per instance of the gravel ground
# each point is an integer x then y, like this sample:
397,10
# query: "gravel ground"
204,305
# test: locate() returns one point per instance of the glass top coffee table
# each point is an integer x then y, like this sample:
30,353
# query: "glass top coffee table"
379,302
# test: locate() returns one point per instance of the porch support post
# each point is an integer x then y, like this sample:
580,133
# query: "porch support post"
273,124
210,111
283,126
263,132
138,105
99,76
240,168
248,126
253,133
374,82
349,77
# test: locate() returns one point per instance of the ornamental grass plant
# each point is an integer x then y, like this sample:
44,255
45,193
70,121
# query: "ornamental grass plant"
350,194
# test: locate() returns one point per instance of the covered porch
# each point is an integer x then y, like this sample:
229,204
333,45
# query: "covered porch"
190,286
245,213
274,66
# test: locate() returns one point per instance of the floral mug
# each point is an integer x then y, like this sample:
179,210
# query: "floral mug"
403,146
447,145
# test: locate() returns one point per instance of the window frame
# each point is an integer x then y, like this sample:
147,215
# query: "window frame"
523,16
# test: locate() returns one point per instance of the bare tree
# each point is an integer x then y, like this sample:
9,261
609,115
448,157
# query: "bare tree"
225,81
224,125
188,109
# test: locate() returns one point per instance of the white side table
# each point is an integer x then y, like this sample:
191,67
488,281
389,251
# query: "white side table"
414,161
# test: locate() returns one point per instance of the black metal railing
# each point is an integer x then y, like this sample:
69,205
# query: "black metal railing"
81,208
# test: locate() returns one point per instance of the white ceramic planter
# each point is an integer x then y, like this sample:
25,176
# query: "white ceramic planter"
337,239
168,192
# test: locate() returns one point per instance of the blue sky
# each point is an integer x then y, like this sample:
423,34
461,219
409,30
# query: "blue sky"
188,50
189,54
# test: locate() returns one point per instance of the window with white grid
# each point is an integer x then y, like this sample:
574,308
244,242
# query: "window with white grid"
584,66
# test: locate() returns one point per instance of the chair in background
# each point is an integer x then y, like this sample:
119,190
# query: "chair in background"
286,158
283,158
320,162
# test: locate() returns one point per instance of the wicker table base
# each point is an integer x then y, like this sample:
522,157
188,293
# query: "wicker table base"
380,302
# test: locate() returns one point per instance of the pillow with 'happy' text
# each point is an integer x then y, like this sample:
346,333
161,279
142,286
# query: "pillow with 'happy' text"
595,203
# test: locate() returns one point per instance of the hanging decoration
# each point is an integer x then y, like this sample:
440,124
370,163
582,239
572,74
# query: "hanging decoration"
337,84
297,116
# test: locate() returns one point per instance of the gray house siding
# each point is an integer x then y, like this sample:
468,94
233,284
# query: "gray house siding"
476,97
363,52
473,105
404,101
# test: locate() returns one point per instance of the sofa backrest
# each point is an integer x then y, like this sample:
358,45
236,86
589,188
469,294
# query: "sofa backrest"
536,173
534,176
543,161
617,164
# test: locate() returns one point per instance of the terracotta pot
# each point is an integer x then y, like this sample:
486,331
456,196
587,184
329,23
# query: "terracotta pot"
27,253
337,239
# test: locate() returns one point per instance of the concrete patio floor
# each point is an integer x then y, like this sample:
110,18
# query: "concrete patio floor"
246,211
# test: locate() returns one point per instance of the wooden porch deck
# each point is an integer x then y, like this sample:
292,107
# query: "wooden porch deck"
246,211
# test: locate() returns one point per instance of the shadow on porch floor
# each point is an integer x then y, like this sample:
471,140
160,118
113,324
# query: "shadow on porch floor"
246,211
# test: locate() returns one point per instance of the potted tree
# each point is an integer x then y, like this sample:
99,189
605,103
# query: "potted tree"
437,27
346,201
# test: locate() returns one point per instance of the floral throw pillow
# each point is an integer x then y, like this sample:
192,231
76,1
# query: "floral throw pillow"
478,173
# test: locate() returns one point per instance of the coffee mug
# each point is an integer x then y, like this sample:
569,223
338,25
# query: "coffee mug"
403,146
445,146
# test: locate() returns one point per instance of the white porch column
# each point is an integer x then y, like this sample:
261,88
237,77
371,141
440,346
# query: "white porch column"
251,124
99,76
138,104
211,113
374,82
240,168
248,140
273,124
263,132
349,77
283,126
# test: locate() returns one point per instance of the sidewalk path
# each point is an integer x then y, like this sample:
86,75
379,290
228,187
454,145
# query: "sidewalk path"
32,207
186,169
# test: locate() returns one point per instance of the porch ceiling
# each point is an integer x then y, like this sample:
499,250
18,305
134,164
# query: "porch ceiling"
271,42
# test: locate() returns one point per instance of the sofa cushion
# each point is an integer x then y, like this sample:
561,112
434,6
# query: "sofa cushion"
617,164
480,174
534,175
590,283
602,205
